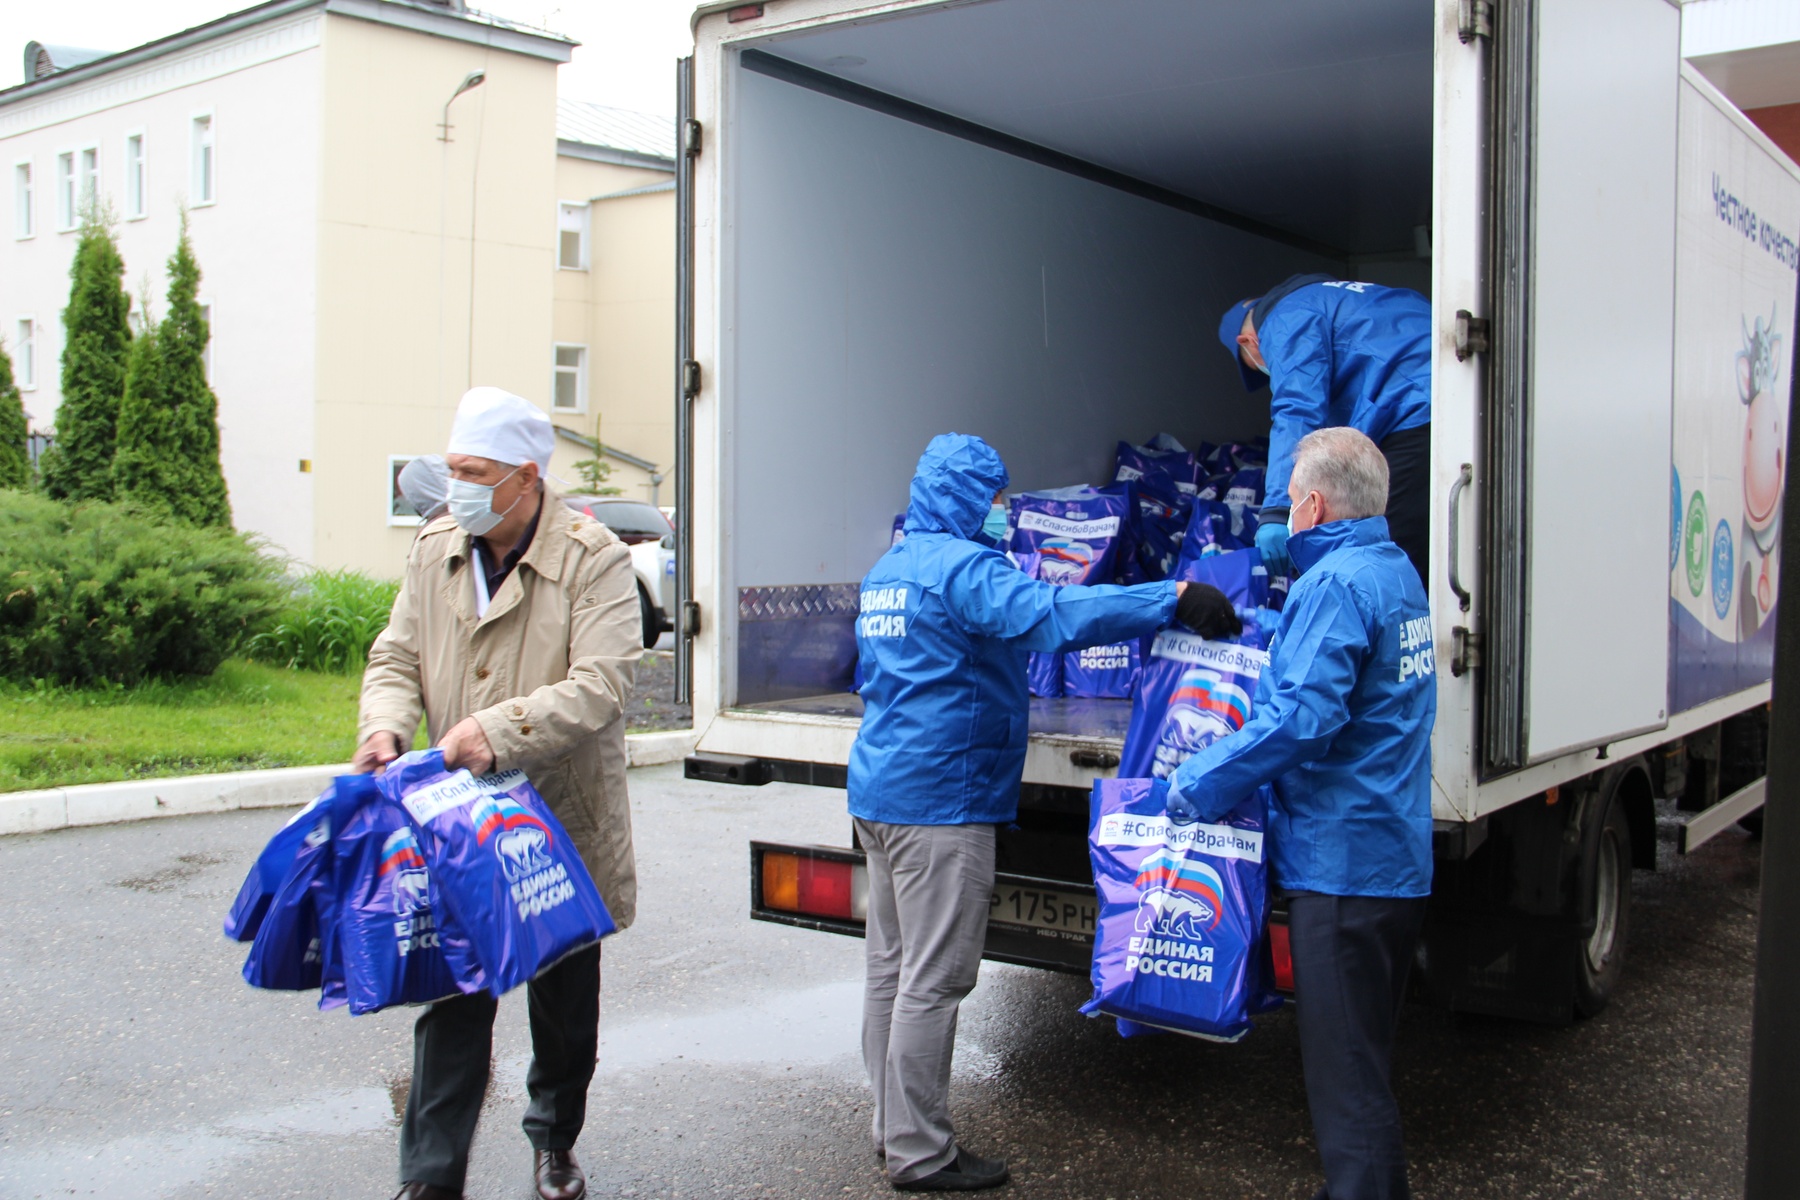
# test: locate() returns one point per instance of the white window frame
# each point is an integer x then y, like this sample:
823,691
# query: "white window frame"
24,199
87,185
68,191
579,371
583,226
137,177
397,519
196,143
26,330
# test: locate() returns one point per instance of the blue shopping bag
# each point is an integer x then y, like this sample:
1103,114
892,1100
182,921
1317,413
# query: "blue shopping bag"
269,869
394,939
289,950
506,872
1181,942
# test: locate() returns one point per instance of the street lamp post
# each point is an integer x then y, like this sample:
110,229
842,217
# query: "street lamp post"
473,79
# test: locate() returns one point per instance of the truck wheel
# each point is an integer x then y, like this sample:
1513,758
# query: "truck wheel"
647,617
1607,879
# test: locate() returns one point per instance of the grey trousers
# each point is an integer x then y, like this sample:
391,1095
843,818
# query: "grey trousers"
929,890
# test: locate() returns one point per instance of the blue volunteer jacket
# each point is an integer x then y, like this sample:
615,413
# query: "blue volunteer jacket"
945,629
1341,723
1354,354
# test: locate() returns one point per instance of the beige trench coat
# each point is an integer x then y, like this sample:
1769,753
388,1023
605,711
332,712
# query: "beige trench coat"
546,673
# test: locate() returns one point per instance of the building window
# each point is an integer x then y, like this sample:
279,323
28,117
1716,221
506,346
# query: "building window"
25,355
90,178
203,182
572,237
569,390
65,190
206,316
135,202
24,220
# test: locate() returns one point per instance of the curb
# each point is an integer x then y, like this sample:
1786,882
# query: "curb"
283,787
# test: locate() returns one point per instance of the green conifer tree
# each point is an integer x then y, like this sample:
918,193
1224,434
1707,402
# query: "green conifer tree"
97,337
15,455
144,471
168,456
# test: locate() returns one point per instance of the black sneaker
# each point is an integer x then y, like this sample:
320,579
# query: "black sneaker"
964,1173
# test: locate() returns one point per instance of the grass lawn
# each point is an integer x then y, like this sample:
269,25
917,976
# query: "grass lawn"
245,716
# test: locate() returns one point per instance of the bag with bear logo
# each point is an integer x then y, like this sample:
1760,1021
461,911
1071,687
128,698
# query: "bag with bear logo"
1182,942
1190,693
397,942
506,872
270,868
290,947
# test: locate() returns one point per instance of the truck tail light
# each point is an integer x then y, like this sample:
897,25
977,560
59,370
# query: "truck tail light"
816,887
1283,956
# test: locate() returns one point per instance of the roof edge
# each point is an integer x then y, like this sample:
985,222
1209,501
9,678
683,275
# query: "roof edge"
569,148
467,26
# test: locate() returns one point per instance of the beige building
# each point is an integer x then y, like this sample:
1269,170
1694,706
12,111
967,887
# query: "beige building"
615,291
380,194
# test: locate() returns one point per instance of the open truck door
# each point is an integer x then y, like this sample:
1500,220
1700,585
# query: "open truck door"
1580,378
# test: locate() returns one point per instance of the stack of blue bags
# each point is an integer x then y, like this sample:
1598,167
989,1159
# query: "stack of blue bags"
1168,514
413,886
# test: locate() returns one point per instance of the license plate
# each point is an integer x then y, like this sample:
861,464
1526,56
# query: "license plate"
1041,908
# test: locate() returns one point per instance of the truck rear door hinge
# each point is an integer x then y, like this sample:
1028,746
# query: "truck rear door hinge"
690,137
1475,19
690,379
1465,653
1474,334
690,619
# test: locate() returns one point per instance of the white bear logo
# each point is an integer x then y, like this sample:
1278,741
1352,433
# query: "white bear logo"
523,851
1174,914
412,891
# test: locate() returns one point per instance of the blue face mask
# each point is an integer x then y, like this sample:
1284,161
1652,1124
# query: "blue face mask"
472,504
993,527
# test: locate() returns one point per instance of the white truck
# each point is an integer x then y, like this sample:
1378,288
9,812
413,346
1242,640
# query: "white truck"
1022,219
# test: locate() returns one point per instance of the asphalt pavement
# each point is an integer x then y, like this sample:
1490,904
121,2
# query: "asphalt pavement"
134,1062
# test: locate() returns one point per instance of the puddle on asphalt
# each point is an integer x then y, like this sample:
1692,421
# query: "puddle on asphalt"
151,1167
815,1027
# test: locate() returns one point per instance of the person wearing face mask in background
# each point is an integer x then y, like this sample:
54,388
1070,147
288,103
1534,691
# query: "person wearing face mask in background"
516,636
425,484
1335,353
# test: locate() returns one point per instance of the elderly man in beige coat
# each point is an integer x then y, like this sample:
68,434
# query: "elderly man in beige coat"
516,636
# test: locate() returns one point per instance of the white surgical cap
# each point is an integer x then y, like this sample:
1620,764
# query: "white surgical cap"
425,482
494,423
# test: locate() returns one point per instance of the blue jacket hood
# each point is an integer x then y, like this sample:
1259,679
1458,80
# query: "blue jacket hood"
953,486
1310,545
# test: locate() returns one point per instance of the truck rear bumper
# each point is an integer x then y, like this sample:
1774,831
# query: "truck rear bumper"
1032,922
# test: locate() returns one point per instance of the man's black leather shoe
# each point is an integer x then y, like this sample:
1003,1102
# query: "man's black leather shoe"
426,1191
558,1175
964,1173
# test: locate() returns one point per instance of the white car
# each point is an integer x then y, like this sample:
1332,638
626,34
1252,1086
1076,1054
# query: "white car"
651,538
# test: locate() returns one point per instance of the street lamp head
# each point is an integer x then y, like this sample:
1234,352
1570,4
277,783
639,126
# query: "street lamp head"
473,79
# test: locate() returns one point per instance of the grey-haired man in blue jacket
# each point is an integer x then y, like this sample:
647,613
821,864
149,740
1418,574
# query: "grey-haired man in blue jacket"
1341,726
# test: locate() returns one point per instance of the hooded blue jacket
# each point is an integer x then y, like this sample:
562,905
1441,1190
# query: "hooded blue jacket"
1341,723
1355,354
945,629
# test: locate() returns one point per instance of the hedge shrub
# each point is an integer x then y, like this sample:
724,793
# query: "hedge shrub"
328,623
97,592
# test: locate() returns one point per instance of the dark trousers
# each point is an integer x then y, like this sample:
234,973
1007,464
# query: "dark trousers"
1408,455
1351,955
453,1043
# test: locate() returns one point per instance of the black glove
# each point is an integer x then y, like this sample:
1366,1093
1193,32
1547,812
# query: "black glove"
1204,609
